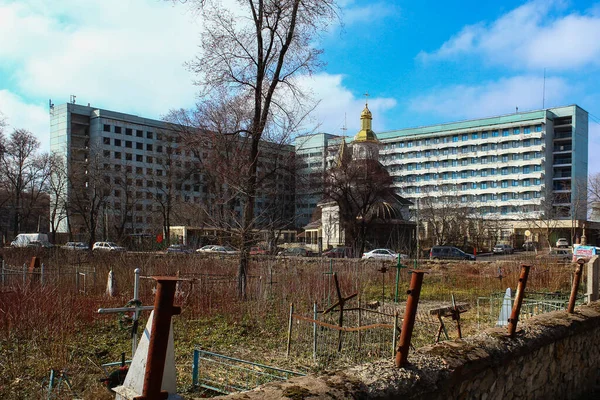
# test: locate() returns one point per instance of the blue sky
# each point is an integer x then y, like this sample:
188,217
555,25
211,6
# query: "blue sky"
421,62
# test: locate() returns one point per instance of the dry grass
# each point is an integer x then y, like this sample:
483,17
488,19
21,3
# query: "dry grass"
56,326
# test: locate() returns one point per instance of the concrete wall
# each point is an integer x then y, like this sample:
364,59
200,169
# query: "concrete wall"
555,355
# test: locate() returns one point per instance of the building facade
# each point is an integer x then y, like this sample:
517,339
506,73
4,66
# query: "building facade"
138,176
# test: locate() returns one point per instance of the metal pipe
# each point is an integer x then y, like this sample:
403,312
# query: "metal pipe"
410,314
159,338
315,316
575,287
514,315
395,332
290,324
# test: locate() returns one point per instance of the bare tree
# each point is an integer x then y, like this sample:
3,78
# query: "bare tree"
250,57
25,173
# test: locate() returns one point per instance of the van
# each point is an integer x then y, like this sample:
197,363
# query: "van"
449,253
25,239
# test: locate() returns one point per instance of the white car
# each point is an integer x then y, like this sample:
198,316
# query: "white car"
77,246
223,250
383,254
205,249
107,246
562,242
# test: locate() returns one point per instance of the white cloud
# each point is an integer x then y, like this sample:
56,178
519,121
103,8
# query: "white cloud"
369,13
492,98
21,115
535,35
339,107
99,52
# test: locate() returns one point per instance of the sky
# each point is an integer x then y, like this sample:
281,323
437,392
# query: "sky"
421,63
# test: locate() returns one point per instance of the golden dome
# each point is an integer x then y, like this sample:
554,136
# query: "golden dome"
366,134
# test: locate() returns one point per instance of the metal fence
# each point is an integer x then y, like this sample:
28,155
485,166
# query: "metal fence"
80,277
222,374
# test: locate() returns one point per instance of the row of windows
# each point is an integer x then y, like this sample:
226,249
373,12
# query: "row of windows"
470,185
466,149
129,131
129,144
465,136
525,169
481,197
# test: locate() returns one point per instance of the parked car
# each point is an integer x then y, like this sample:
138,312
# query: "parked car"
178,249
557,255
562,242
223,250
383,254
76,246
258,251
107,246
23,240
530,246
338,252
205,249
37,244
449,253
503,249
293,252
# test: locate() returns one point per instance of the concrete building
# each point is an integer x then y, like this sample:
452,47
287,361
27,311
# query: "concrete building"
134,170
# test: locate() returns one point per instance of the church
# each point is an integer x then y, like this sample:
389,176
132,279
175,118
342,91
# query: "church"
360,208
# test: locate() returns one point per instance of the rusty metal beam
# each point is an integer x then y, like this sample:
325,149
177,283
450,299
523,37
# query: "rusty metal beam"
575,288
516,310
410,315
159,338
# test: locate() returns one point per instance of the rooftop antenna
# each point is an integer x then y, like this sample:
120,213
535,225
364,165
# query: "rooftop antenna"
50,104
72,100
344,128
544,91
517,110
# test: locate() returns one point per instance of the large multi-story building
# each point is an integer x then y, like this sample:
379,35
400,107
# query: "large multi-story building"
137,176
513,168
509,167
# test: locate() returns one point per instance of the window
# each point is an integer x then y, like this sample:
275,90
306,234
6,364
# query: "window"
504,184
455,163
139,158
527,130
526,143
515,182
118,142
106,128
494,133
464,186
484,185
139,170
504,171
454,150
515,170
484,135
516,131
139,146
159,149
463,174
484,147
504,198
537,141
427,141
128,131
106,153
117,155
128,144
505,133
515,144
473,185
465,137
455,175
526,156
474,135
537,168
504,158
526,169
455,138
505,145
128,156
409,144
139,133
464,149
464,162
149,147
484,172
117,129
106,140
538,128
149,159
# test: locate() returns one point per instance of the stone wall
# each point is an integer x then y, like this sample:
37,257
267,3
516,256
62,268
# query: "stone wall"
553,356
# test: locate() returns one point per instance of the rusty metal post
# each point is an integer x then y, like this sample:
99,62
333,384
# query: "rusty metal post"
159,338
575,287
516,310
410,314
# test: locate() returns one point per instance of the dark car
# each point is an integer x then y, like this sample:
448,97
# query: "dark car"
503,249
530,246
338,252
449,253
294,252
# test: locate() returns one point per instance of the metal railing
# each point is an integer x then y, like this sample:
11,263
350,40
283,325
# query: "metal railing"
222,374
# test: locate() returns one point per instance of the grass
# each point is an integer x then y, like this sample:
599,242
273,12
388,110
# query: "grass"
56,325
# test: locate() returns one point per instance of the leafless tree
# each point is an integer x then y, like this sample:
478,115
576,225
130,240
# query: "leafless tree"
57,188
25,174
363,192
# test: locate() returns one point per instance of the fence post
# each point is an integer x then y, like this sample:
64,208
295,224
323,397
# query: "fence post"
514,316
289,338
410,315
195,368
42,274
2,274
395,332
575,287
592,278
77,279
315,316
24,274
